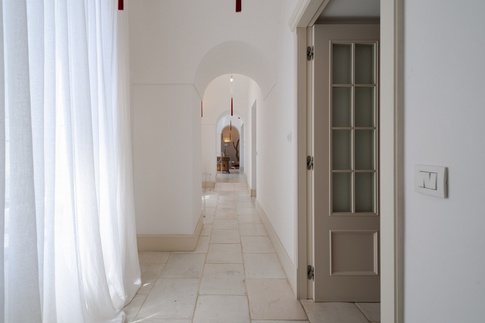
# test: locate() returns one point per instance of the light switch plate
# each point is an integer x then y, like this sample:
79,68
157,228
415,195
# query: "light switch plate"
431,180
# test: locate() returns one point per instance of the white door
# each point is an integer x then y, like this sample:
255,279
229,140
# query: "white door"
345,137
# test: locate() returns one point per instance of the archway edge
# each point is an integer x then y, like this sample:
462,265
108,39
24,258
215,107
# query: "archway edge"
235,57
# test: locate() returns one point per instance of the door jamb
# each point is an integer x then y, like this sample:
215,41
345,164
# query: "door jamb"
391,148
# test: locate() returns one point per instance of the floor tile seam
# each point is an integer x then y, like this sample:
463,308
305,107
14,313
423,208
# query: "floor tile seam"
163,267
141,306
363,314
197,298
220,294
245,279
280,279
200,281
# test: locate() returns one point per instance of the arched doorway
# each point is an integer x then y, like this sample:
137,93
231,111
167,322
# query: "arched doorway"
230,140
226,136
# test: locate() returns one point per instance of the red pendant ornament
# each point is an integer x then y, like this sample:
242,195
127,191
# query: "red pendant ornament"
201,109
230,125
121,5
232,107
238,5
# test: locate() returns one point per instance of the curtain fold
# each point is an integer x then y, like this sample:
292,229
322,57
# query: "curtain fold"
67,221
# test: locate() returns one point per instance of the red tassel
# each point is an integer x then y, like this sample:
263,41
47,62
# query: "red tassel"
120,5
232,107
230,125
201,109
238,5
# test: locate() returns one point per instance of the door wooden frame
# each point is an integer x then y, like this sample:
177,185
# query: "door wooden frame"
391,152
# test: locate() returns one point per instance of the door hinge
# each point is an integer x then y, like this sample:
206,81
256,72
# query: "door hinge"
309,162
311,272
310,52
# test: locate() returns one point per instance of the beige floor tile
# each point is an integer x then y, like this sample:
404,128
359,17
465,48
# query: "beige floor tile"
245,200
223,279
333,312
372,311
224,254
146,286
228,199
247,211
209,210
244,205
252,218
131,310
224,187
150,271
225,215
208,219
222,309
273,299
184,265
227,204
170,299
228,208
209,203
240,185
225,236
153,257
252,229
263,266
257,245
231,225
155,320
225,224
202,245
206,230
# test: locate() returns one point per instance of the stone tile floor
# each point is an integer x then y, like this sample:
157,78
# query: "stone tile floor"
233,276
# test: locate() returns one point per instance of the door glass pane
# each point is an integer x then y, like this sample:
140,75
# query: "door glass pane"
364,64
341,191
341,149
364,106
364,149
364,192
341,104
342,62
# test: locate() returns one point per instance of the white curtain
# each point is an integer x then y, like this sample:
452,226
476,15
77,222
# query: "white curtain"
66,188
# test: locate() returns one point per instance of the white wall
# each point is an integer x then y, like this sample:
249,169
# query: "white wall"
174,51
255,99
166,153
444,120
276,142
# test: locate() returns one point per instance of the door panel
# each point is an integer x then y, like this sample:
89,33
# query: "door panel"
346,218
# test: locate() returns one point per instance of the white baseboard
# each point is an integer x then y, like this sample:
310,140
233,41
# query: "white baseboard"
289,268
208,185
167,242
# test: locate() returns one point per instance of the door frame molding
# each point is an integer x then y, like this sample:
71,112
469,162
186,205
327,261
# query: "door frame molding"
391,151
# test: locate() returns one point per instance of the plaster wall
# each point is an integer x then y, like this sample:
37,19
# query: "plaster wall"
166,151
276,144
172,57
444,116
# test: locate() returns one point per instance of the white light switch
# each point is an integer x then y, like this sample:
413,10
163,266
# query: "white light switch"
431,180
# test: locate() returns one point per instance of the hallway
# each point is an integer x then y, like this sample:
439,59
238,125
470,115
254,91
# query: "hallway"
234,275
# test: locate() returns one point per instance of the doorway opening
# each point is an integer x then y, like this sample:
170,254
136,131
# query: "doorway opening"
228,129
229,158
